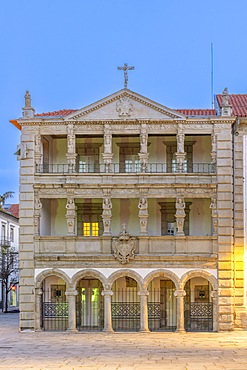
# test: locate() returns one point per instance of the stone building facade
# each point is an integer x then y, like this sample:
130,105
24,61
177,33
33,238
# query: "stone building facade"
131,217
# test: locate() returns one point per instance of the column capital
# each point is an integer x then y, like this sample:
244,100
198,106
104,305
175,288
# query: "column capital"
71,292
143,293
107,293
180,293
213,294
38,291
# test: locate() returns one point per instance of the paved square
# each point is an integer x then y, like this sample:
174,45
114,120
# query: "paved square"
122,351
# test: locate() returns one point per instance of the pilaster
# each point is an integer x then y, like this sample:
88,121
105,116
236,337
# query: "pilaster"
225,226
26,233
180,154
143,215
71,148
107,215
107,155
180,216
70,215
38,308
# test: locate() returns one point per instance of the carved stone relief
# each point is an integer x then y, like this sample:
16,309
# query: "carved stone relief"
124,246
124,107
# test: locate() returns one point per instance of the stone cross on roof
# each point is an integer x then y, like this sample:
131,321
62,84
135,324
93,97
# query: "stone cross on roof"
125,68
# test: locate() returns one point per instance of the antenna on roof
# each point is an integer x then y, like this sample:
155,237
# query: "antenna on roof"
212,75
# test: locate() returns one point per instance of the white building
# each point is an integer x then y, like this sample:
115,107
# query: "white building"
9,236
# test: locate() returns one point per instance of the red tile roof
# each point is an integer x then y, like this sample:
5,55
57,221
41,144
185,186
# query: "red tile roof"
57,113
197,112
187,112
12,209
238,103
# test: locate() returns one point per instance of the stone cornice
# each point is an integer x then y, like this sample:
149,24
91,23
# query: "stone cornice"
121,121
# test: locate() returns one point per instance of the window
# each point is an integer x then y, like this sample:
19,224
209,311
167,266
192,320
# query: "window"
132,165
89,219
58,293
12,234
128,157
176,166
171,149
171,228
88,157
90,229
86,164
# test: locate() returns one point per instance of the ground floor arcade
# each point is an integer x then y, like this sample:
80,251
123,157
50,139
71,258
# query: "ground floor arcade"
126,300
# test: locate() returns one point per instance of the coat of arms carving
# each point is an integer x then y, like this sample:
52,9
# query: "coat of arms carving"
124,247
124,107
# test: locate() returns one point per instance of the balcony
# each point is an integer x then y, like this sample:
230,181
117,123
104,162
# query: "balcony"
5,242
128,168
156,246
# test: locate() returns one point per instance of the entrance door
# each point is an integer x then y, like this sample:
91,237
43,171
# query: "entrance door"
90,305
198,308
162,306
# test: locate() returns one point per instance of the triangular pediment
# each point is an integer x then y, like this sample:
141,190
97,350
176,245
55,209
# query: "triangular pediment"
125,104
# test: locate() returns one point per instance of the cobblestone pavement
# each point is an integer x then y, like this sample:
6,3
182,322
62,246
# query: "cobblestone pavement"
119,351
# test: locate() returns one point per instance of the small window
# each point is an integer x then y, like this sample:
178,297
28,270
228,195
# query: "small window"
3,231
171,228
132,165
176,166
90,228
12,234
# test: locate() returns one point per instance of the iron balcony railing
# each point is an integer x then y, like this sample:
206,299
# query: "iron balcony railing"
174,168
5,241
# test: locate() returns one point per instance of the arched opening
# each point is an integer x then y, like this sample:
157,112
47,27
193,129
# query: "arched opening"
162,305
125,305
54,305
89,304
198,305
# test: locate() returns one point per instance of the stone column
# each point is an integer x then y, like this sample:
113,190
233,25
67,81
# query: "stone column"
107,215
143,215
71,148
213,294
144,310
70,215
107,155
143,155
180,154
180,294
37,214
213,207
180,216
71,294
107,310
38,308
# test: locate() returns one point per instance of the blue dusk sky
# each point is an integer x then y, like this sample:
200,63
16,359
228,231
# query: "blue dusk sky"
66,53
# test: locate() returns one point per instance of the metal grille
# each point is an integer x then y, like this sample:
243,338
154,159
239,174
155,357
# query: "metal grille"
198,310
55,316
90,309
126,310
162,314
